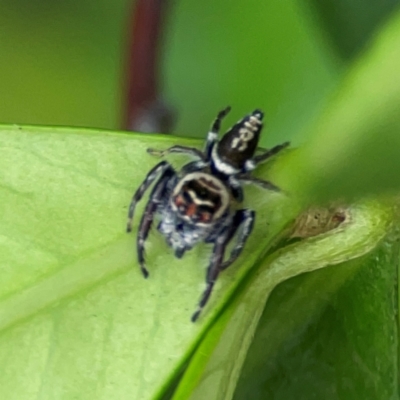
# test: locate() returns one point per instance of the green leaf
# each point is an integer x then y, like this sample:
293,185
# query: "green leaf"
77,318
214,369
329,337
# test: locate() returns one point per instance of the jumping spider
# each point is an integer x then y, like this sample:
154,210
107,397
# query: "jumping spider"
197,203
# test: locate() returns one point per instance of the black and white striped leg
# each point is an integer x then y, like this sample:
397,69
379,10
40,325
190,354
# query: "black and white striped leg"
259,182
193,167
243,219
213,133
236,189
190,151
256,160
155,199
213,271
160,168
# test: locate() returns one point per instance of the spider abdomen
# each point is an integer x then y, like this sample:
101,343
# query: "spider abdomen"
239,144
200,198
198,203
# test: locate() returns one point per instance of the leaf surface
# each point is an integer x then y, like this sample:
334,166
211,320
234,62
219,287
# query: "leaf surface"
77,319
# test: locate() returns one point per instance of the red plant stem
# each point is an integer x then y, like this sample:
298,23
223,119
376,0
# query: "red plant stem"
143,109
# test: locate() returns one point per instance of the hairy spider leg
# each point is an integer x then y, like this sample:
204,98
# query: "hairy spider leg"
193,167
212,135
256,160
259,182
236,189
271,152
155,199
243,218
213,271
150,177
190,151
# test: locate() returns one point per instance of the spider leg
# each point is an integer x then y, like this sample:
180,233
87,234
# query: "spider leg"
244,218
151,176
259,182
236,189
155,199
193,167
256,160
213,133
190,151
241,217
213,271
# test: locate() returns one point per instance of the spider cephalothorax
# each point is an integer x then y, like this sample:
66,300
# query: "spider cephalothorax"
199,203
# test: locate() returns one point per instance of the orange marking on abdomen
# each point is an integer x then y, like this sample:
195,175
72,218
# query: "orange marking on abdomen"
179,200
205,217
191,210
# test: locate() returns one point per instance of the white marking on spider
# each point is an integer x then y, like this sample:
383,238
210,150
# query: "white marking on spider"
212,136
199,202
222,166
255,119
249,165
246,134
213,184
257,115
251,126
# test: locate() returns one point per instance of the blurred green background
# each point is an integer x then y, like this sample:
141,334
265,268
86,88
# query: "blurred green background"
62,63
